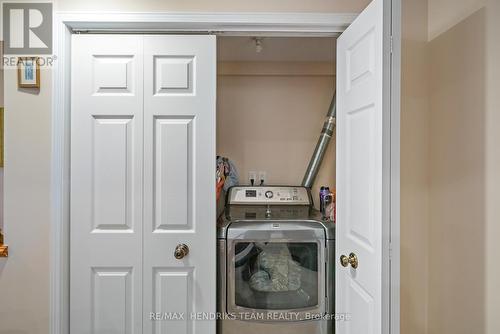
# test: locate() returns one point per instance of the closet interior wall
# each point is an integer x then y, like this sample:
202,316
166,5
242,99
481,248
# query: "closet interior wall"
271,105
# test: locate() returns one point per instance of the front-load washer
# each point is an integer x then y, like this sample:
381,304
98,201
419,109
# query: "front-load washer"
275,263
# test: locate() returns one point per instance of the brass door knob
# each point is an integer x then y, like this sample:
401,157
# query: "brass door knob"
180,251
351,260
344,261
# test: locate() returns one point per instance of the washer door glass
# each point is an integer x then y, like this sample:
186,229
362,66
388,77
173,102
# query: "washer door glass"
276,275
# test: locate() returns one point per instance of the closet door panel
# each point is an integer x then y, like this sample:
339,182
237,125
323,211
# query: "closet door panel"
174,193
179,180
363,171
106,184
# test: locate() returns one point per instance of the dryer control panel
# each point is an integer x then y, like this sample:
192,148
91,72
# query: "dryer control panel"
269,195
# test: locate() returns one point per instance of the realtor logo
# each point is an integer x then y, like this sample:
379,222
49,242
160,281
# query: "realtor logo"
27,28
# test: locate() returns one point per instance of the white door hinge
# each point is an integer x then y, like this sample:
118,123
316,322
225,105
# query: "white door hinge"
391,44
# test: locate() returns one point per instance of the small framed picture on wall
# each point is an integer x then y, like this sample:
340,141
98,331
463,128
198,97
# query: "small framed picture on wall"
28,72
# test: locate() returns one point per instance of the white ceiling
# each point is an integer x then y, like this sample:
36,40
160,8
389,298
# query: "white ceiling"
276,49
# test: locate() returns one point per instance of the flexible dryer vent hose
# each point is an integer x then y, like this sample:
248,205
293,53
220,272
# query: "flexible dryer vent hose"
321,146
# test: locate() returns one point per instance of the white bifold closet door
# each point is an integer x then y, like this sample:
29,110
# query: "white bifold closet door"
142,182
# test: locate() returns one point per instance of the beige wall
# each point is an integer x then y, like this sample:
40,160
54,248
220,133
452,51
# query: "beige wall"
353,6
272,123
464,72
1,105
414,168
491,248
24,276
450,104
457,166
1,75
444,14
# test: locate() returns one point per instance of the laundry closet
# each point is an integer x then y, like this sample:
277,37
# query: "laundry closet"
273,97
149,111
273,94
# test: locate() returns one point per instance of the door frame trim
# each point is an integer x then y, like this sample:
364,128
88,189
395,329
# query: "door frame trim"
200,22
224,23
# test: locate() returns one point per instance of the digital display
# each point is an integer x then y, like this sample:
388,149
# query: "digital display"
251,193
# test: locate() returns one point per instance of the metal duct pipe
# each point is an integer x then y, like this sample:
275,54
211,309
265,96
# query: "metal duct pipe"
319,151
